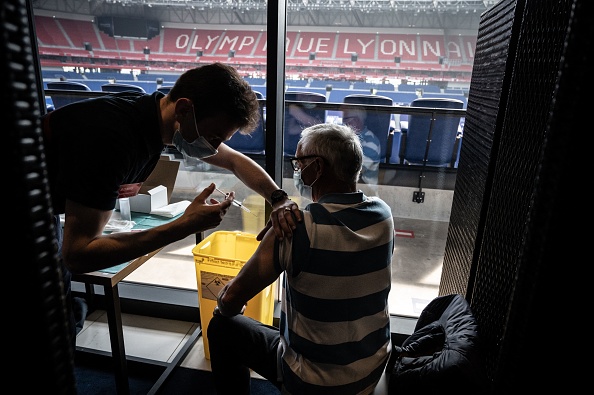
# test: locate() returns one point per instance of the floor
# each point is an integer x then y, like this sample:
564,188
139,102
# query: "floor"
147,338
416,274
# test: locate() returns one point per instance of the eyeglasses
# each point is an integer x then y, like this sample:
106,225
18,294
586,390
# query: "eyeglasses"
295,160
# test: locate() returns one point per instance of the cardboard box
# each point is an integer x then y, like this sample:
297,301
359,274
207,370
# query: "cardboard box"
150,200
156,191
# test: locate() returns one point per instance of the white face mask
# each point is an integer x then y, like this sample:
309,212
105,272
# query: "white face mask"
304,190
199,148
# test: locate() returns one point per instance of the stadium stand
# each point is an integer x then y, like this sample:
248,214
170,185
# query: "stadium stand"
117,77
324,65
256,81
49,33
413,88
76,28
319,56
296,83
336,84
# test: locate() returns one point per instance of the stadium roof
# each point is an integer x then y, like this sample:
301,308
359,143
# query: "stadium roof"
420,14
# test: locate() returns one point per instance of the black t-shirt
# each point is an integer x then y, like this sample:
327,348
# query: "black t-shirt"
96,145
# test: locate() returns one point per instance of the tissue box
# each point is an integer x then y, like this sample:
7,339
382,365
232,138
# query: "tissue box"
156,190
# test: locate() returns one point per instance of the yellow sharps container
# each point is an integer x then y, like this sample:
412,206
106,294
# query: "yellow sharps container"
218,259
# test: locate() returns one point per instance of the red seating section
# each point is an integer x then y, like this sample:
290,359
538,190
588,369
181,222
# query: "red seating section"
49,33
377,53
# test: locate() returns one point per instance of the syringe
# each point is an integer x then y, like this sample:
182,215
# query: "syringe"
237,204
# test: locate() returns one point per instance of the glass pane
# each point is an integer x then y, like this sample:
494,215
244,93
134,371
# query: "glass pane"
122,52
346,68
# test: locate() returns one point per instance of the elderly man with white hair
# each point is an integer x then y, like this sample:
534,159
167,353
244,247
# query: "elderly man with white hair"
356,118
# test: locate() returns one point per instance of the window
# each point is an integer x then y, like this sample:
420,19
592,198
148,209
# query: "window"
327,60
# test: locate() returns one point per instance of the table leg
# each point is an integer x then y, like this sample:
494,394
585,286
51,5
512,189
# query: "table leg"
90,296
116,336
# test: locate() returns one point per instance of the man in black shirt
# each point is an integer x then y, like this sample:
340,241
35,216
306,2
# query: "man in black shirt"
99,149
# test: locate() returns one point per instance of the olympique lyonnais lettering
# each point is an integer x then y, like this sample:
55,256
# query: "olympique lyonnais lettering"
450,51
344,44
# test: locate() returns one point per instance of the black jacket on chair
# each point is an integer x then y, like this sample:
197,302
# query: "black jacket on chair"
442,355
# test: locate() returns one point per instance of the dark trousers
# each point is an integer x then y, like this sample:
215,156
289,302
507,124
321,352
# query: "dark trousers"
76,308
238,344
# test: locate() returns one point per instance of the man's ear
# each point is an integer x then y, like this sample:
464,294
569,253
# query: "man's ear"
183,107
320,165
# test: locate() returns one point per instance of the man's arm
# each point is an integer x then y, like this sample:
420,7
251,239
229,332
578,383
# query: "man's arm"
301,116
85,248
256,178
255,275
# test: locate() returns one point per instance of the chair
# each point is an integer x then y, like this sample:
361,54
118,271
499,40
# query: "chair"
63,98
253,143
118,87
293,126
428,142
165,89
377,122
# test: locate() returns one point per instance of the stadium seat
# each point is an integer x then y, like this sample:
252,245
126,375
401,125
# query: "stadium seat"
49,104
165,89
377,122
253,143
293,126
64,98
439,148
117,87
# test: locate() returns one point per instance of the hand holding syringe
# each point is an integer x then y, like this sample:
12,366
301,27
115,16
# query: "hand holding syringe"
236,203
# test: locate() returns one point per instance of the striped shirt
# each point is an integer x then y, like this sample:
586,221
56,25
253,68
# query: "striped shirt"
371,156
335,322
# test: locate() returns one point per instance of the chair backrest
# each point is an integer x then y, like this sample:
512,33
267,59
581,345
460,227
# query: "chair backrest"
293,127
117,87
63,98
68,85
443,134
254,143
377,122
165,89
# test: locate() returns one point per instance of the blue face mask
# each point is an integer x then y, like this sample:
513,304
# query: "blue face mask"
199,148
304,190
